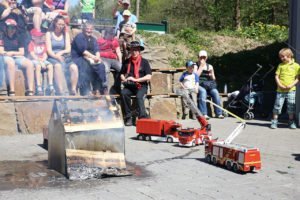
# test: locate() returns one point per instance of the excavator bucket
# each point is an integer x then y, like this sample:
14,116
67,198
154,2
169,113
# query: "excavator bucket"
86,138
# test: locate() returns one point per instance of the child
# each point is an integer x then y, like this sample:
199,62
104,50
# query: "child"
126,32
190,82
287,77
38,53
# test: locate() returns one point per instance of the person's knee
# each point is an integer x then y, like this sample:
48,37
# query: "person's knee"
73,68
37,12
38,68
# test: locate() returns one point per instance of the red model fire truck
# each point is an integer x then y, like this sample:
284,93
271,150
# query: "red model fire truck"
159,130
194,136
236,157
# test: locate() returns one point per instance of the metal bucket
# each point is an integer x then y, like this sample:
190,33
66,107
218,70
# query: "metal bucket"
86,138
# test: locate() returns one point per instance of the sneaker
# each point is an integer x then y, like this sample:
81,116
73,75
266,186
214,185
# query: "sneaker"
39,91
207,117
221,116
128,122
274,123
292,124
50,91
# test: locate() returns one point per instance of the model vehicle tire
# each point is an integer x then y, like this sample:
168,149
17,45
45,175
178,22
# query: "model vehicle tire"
228,165
193,144
208,158
148,138
140,137
169,139
251,115
247,116
235,168
214,160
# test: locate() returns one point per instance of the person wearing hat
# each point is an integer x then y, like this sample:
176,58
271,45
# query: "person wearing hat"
38,54
135,76
12,50
207,80
189,81
118,15
126,32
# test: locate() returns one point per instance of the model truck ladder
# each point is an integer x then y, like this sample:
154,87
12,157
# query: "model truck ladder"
237,130
191,104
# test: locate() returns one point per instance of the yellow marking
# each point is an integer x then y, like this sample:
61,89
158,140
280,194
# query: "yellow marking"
227,111
249,163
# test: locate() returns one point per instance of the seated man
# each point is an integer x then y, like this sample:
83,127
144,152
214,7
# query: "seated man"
86,55
135,76
12,50
111,56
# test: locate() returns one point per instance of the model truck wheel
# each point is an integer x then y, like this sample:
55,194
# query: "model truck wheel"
169,139
214,160
208,158
148,138
228,165
193,143
140,137
235,168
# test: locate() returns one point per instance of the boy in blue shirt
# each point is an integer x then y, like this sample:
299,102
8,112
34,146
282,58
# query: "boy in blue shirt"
190,82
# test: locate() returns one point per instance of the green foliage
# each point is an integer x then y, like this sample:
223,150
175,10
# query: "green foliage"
265,32
193,39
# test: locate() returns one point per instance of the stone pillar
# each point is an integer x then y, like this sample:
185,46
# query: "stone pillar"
294,42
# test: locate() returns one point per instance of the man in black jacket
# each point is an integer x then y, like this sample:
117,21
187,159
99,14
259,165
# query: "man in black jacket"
135,76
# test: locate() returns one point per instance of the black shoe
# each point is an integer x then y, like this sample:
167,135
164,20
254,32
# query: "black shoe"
128,122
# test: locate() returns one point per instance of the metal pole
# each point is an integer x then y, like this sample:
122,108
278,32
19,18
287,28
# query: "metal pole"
294,41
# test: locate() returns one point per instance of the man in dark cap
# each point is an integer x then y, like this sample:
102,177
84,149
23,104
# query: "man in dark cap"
135,76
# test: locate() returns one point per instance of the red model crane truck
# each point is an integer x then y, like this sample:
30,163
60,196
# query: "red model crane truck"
159,130
194,136
236,157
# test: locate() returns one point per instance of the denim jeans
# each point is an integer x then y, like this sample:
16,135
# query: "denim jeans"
116,66
202,100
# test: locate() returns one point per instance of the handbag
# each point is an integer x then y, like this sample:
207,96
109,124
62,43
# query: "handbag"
209,85
130,85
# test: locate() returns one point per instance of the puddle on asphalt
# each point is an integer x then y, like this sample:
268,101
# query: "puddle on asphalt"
33,175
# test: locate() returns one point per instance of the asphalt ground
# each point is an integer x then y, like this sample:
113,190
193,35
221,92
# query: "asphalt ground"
161,170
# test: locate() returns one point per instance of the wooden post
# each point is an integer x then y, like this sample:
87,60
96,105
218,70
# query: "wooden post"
294,42
138,9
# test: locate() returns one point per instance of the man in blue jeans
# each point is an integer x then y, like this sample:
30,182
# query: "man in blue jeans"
206,73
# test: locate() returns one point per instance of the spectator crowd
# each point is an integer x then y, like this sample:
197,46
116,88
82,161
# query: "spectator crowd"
35,37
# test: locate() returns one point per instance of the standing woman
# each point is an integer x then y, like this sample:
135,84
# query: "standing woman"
59,48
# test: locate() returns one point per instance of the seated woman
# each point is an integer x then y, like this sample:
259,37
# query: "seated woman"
85,53
12,50
59,48
206,74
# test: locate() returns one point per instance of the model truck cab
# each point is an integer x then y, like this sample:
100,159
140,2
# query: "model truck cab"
191,137
158,130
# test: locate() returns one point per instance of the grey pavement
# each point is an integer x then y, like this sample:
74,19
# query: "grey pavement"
161,170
